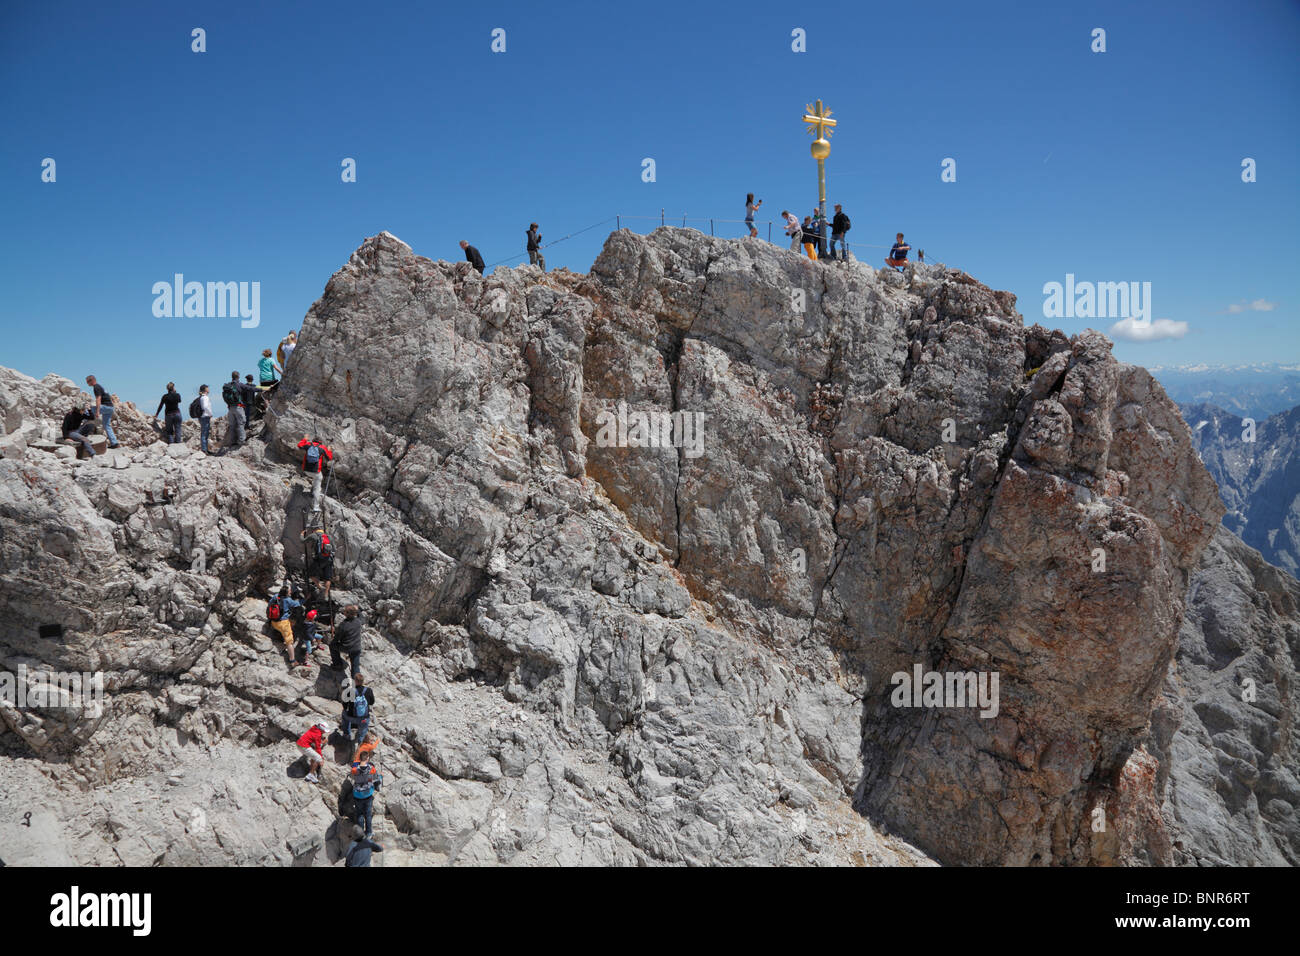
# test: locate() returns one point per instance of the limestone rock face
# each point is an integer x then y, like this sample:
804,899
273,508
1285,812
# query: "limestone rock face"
641,556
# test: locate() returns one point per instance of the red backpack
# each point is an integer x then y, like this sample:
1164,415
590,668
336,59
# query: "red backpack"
273,610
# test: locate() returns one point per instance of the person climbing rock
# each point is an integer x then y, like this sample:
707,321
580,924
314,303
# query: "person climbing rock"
267,369
320,563
367,747
472,257
205,418
278,611
171,401
366,779
311,747
347,640
310,636
78,424
535,256
313,463
358,705
840,226
359,850
792,229
235,421
898,254
103,409
751,208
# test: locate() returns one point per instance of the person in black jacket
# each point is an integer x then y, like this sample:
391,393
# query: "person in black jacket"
840,226
248,397
78,424
535,256
359,850
171,400
472,256
347,640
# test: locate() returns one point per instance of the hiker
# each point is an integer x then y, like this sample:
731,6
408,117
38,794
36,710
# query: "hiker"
251,398
266,369
347,640
77,425
898,254
366,779
535,256
809,238
310,635
311,747
840,226
171,400
358,704
234,412
359,850
278,611
103,409
313,463
366,747
320,566
792,229
751,207
472,256
819,230
287,345
203,405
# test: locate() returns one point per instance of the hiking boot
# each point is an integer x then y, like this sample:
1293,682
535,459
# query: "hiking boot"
312,778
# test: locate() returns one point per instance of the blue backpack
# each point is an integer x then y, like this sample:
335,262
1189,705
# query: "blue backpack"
364,785
313,456
360,706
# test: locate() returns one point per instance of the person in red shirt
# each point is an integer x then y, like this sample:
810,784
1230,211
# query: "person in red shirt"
311,745
313,463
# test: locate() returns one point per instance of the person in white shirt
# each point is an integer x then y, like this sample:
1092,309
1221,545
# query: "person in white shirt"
793,229
205,417
287,345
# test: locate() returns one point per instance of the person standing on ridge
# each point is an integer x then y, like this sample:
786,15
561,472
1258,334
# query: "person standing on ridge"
809,238
535,256
205,418
171,400
287,345
103,408
898,254
235,422
472,257
313,463
347,640
248,397
751,207
819,229
792,229
840,226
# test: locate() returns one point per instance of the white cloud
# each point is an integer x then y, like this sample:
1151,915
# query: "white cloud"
1258,305
1131,330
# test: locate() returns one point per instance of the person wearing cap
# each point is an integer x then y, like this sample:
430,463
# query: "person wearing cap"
311,746
311,634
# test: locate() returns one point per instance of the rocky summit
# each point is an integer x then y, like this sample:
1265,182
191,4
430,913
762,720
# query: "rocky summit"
671,563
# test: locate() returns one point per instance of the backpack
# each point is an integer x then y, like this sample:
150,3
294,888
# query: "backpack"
324,547
274,609
364,784
313,456
360,706
848,224
196,408
230,394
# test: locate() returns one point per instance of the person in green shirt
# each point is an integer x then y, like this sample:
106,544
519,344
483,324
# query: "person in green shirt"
266,369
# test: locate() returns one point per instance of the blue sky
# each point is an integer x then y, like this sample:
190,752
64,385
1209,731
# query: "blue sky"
225,165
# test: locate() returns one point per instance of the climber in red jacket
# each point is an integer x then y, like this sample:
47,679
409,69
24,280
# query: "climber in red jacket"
313,462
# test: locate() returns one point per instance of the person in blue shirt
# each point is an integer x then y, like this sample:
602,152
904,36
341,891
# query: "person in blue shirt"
366,779
283,625
898,254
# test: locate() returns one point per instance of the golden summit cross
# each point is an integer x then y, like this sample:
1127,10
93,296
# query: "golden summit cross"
819,121
818,118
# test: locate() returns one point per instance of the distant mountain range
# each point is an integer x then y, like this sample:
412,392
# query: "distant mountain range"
1251,391
1258,480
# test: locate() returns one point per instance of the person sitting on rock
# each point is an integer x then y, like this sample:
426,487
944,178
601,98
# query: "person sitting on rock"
311,747
313,463
280,619
359,850
358,705
898,254
366,779
78,424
